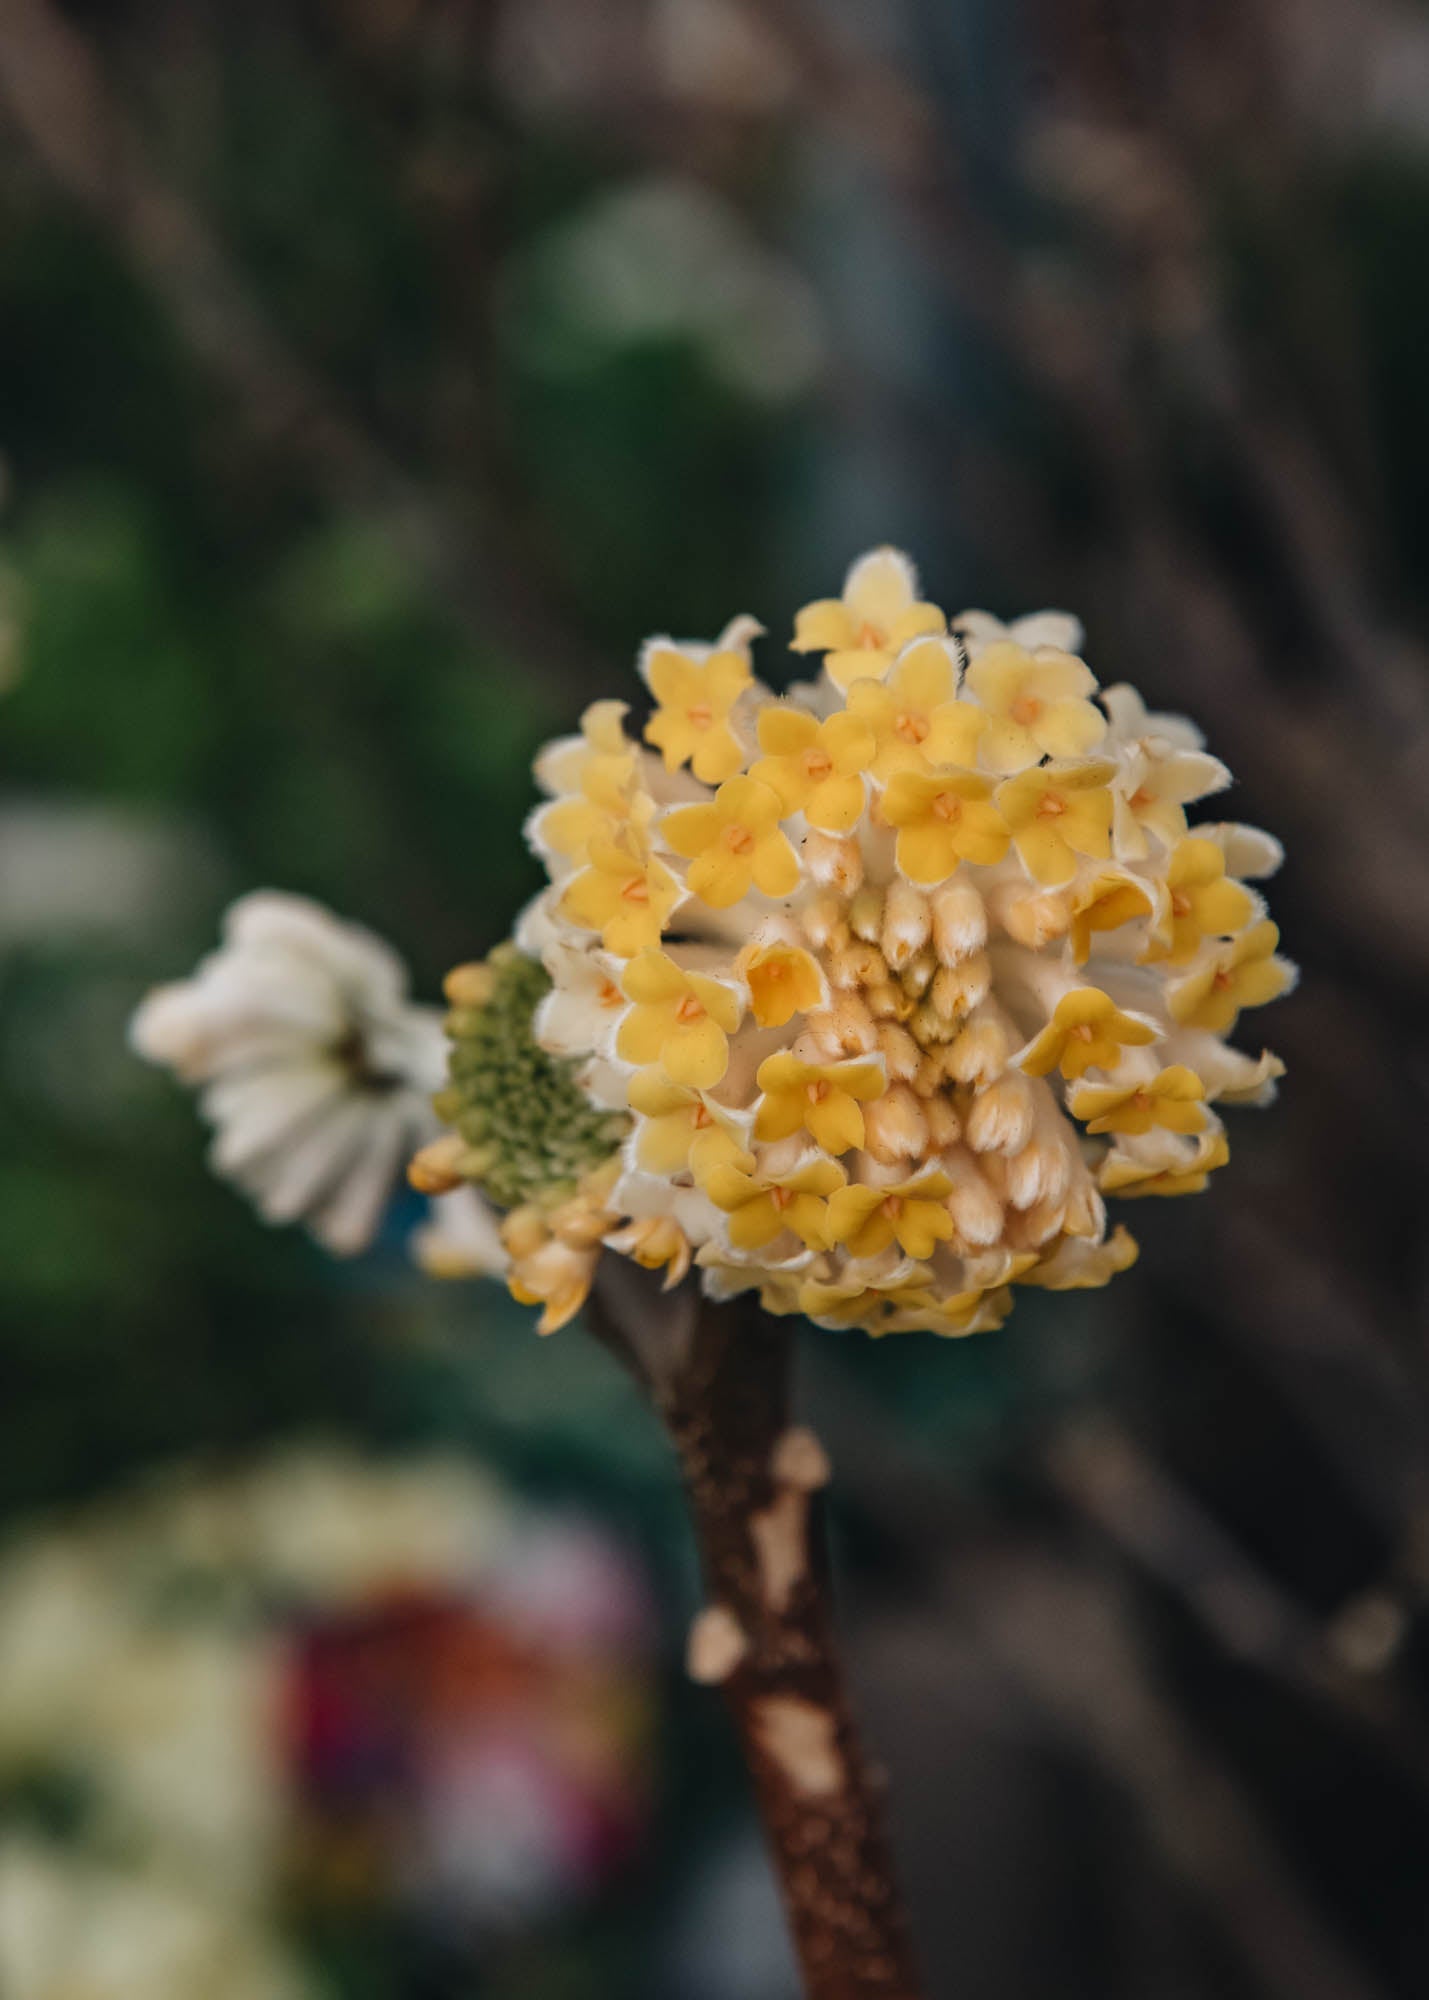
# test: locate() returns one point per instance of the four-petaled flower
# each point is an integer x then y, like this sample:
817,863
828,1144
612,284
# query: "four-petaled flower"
734,844
1122,1175
762,1206
1174,1100
815,767
625,892
824,1099
681,1021
943,817
1055,813
913,1213
593,775
783,980
1243,973
878,614
1036,706
696,696
1107,903
1087,1031
913,714
672,1118
1202,902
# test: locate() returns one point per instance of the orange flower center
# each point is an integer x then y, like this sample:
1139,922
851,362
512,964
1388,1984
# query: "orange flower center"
636,890
1141,798
689,1010
699,715
893,1206
912,728
738,839
1051,806
781,1197
1180,903
610,994
701,1117
818,1091
947,806
1222,981
818,765
868,635
1026,710
1082,1033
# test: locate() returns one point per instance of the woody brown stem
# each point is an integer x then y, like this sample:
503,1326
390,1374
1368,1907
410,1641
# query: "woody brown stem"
767,1636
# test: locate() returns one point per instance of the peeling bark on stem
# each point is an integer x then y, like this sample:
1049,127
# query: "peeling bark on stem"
752,1483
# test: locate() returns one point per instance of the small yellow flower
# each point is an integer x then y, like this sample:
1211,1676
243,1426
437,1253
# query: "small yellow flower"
816,767
783,980
943,817
1129,1178
950,1318
1074,1265
1057,812
1108,902
593,776
860,632
913,1213
734,844
656,1242
824,1099
1243,973
1203,902
1036,706
680,1020
850,1304
913,715
692,723
1173,1100
1087,1031
672,1118
762,1206
624,892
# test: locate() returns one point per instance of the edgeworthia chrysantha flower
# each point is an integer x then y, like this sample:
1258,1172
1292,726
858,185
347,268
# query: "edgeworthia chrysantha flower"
316,1068
865,999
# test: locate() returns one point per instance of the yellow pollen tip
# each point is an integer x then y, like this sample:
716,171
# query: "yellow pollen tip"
636,890
912,728
1052,806
818,765
947,805
689,1009
738,839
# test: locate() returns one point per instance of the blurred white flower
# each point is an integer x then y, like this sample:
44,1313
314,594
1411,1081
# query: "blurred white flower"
76,1929
665,259
316,1066
70,867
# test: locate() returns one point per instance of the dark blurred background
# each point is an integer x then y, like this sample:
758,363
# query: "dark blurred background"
374,375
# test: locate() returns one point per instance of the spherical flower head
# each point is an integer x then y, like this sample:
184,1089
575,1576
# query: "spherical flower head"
868,1000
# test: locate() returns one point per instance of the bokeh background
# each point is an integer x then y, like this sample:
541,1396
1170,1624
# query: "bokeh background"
374,374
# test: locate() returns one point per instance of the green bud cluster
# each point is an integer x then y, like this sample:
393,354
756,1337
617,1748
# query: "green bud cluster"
530,1132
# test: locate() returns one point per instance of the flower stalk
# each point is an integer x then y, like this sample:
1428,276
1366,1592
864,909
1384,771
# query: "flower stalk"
766,1637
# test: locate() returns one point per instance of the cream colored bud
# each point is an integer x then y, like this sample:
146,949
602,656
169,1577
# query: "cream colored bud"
980,1052
945,1127
1001,1117
833,862
1031,917
469,985
1037,1173
907,923
959,921
899,1051
973,1204
436,1169
887,1002
856,965
823,921
1030,1228
1086,1211
894,1126
917,975
957,989
524,1231
865,915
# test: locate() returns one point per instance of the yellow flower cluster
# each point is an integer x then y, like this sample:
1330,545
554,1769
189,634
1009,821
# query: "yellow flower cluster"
898,977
